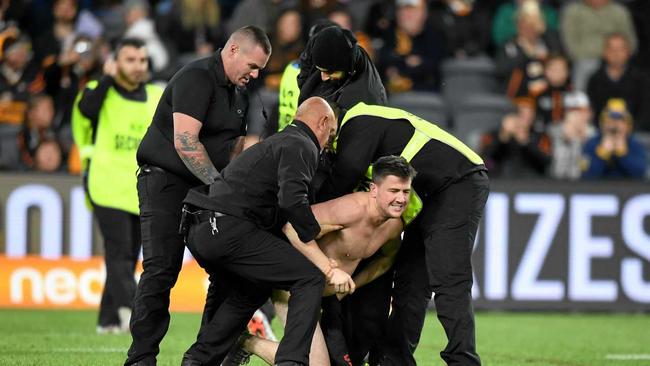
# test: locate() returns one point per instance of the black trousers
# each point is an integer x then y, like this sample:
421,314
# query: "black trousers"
351,327
121,232
261,261
161,195
436,255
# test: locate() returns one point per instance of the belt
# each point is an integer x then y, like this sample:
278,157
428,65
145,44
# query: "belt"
147,168
200,216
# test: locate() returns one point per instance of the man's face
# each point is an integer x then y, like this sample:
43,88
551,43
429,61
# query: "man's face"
617,52
392,195
18,56
327,130
615,124
247,61
326,75
557,72
132,64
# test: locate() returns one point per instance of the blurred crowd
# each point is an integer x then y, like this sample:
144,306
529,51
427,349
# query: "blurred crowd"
575,70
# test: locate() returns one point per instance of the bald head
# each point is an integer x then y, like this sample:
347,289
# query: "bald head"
316,113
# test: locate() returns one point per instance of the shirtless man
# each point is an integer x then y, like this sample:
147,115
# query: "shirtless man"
368,222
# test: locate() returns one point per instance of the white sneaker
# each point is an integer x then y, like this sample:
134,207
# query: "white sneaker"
259,325
124,313
107,329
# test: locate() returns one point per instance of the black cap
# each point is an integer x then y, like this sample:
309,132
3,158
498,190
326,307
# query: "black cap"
333,49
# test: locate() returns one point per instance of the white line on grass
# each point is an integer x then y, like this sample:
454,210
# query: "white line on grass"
89,350
628,357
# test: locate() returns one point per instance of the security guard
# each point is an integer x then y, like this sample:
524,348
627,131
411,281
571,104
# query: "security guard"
452,185
109,120
195,131
333,66
289,93
264,187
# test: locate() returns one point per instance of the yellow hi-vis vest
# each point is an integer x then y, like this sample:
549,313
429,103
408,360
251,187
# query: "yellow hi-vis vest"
289,93
424,132
121,125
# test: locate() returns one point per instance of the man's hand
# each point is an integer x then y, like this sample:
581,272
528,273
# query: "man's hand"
110,67
328,228
342,282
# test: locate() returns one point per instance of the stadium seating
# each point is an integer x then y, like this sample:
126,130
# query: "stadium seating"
465,77
9,152
644,139
478,114
426,105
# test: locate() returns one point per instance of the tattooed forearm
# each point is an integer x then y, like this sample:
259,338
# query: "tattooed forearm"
194,156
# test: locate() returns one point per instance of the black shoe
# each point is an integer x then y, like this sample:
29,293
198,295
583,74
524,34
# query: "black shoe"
190,361
238,355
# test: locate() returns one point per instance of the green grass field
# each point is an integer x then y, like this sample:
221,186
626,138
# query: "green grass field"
504,339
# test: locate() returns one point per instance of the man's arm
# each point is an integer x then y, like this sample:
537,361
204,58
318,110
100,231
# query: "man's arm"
336,277
92,99
296,166
191,150
191,98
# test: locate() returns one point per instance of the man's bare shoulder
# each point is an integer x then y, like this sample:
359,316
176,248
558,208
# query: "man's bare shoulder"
346,210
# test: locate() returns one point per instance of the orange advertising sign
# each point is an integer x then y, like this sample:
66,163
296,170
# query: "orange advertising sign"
33,282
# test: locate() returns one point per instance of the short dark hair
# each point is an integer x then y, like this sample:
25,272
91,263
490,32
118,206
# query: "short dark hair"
258,36
129,41
392,165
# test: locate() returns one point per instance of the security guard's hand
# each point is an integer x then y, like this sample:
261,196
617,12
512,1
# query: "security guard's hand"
342,282
328,228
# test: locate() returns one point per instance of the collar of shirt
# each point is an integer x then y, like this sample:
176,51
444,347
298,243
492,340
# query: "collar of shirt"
138,94
302,126
220,72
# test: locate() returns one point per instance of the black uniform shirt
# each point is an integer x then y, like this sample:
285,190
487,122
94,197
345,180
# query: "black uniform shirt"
268,182
365,139
202,91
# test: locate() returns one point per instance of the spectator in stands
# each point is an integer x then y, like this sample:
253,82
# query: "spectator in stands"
568,137
287,43
193,28
260,13
36,130
465,24
584,27
504,23
516,150
315,10
19,78
49,44
411,57
140,25
640,10
550,102
75,66
340,16
521,60
48,157
618,78
614,152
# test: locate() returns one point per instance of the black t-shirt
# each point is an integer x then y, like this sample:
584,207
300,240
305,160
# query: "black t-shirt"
202,91
268,183
364,139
